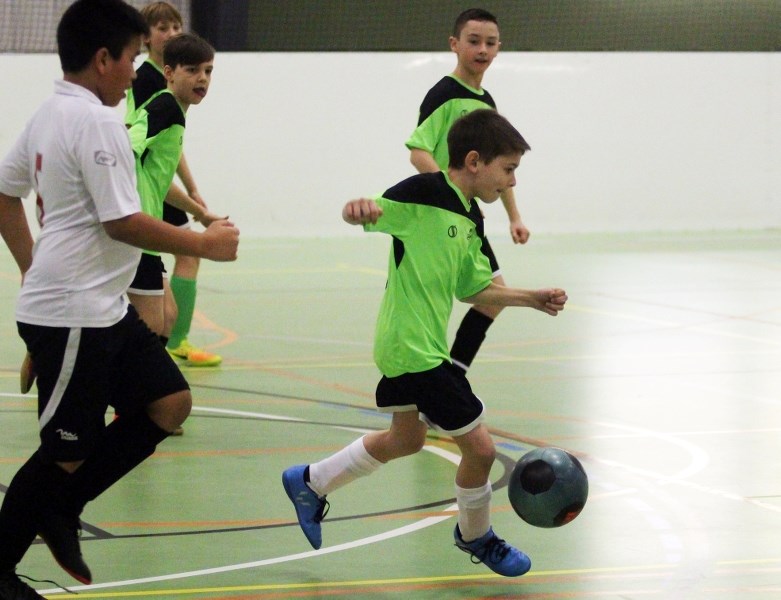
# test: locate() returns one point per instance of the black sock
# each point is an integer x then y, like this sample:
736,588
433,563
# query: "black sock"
33,485
163,340
469,337
126,443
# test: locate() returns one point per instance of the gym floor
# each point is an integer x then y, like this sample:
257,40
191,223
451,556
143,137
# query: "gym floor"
662,375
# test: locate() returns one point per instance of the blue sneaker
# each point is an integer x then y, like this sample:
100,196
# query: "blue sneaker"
310,508
495,553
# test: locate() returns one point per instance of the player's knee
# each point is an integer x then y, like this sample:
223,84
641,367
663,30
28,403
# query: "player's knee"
480,456
170,412
416,445
412,444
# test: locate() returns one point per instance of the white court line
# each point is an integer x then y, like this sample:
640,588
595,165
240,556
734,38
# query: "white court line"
393,533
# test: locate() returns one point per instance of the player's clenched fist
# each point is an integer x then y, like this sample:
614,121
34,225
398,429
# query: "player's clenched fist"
221,241
363,210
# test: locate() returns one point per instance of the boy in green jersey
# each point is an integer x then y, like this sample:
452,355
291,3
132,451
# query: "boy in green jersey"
475,41
436,255
165,22
156,135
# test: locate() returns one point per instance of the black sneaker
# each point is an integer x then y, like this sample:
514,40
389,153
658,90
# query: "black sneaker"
61,535
13,588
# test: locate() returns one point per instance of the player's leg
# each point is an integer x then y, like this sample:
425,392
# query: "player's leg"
170,310
128,367
474,534
146,293
474,326
308,485
184,286
71,421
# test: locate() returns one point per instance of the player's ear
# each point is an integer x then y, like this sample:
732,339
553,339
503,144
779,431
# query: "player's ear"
168,72
453,41
471,159
101,59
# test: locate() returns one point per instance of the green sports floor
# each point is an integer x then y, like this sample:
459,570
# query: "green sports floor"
663,375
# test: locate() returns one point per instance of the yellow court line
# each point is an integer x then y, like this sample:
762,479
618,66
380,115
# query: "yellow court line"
361,582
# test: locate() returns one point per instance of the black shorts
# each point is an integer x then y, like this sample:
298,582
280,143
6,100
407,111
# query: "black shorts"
82,371
442,395
489,252
175,216
149,276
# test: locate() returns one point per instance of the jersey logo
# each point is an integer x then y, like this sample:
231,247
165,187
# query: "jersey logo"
68,436
105,158
452,231
470,234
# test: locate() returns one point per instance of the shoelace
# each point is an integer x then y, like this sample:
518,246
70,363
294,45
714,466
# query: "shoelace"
495,549
323,510
62,587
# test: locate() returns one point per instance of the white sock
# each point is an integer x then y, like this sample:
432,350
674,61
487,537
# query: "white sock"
474,511
341,468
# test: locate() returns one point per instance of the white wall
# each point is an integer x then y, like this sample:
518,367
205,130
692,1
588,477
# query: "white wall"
640,141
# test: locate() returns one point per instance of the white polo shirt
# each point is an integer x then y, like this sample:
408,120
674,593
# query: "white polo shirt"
75,153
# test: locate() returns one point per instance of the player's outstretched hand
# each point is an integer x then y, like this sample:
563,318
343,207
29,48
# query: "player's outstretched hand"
551,301
363,210
221,241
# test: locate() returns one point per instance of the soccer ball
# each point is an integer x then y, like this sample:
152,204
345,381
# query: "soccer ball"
548,487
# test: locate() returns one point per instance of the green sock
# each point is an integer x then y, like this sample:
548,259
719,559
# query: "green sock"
184,294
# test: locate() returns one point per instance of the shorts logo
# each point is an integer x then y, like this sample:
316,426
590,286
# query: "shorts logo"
68,436
105,158
452,231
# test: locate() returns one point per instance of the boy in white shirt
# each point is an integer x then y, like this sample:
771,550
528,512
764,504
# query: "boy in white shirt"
88,345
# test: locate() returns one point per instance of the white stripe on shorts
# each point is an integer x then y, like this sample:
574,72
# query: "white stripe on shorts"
63,379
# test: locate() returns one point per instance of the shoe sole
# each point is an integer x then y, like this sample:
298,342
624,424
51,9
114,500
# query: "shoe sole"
205,363
86,580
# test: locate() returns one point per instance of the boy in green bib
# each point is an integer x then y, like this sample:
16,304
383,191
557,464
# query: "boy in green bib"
436,256
157,135
165,22
475,41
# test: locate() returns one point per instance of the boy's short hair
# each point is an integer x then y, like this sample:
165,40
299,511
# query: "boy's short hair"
187,49
161,12
472,14
89,25
488,133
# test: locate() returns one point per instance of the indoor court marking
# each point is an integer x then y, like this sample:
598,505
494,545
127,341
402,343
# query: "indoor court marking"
662,376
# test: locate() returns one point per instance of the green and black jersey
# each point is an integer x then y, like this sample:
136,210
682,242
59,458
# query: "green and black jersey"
435,256
148,82
157,134
447,101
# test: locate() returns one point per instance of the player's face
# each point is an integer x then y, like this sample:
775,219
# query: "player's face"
493,178
116,76
159,34
477,46
190,83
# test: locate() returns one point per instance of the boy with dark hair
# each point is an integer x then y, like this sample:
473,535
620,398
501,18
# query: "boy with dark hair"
156,135
165,22
89,346
437,232
475,41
